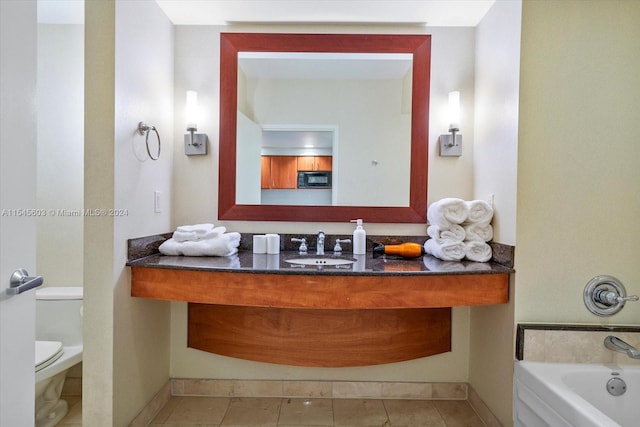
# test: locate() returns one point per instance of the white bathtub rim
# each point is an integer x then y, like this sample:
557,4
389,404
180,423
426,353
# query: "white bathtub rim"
578,411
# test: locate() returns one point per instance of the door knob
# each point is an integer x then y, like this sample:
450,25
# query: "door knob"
20,282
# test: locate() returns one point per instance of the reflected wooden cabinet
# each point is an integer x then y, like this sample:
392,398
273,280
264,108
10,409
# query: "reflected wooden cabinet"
278,172
314,163
281,172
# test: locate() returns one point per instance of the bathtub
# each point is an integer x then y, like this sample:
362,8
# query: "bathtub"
557,394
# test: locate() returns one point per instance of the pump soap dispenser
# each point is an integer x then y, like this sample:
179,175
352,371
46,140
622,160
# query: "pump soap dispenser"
359,238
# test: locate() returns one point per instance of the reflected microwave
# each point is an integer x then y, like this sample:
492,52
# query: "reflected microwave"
314,179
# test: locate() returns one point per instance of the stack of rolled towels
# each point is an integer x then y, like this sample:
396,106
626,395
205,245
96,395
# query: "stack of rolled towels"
459,229
201,240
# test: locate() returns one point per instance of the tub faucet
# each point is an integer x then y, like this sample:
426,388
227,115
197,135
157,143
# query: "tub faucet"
320,244
616,344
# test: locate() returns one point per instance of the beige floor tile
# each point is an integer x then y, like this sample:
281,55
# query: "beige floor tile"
74,412
198,410
409,413
193,411
184,425
244,411
359,412
307,412
166,410
458,413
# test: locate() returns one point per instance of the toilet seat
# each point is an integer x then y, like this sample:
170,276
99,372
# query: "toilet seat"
47,352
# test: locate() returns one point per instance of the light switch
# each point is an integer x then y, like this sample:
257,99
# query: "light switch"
157,208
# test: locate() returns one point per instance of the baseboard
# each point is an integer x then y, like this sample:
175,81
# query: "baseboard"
319,389
153,407
482,409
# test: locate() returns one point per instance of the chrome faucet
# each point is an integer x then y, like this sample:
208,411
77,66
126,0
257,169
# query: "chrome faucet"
616,344
320,244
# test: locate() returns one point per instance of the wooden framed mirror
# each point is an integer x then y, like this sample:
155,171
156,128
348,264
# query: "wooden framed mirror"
417,46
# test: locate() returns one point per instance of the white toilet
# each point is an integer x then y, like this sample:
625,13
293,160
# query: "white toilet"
58,347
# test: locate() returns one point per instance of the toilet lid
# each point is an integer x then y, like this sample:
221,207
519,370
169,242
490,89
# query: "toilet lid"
47,352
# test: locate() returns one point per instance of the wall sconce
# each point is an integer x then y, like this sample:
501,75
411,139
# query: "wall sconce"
451,143
194,143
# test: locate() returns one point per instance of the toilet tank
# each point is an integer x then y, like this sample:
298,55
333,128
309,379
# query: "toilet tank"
59,314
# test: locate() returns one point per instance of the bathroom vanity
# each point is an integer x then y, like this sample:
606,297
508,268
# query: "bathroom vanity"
262,307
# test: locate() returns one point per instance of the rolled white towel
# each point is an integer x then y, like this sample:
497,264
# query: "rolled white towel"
444,249
482,232
184,236
224,245
477,251
196,228
453,232
477,266
446,212
479,211
434,264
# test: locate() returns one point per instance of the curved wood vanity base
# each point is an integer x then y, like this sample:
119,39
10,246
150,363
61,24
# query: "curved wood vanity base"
321,291
318,318
323,338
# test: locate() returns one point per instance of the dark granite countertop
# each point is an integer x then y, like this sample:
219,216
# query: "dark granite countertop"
143,253
248,262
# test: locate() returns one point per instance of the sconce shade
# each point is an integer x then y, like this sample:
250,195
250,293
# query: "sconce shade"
194,143
451,143
454,110
191,110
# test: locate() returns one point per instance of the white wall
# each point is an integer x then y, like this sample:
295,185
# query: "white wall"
496,114
60,153
495,160
197,67
130,71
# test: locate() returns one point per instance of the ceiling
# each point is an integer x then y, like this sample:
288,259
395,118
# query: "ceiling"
433,13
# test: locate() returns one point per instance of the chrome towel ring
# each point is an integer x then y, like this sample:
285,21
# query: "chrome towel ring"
144,129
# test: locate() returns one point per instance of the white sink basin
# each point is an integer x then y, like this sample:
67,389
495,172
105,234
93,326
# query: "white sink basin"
320,261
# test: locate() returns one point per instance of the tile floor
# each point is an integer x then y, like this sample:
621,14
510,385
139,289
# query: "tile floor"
240,411
182,411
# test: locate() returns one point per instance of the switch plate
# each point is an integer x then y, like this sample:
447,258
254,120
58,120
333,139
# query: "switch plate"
199,145
157,208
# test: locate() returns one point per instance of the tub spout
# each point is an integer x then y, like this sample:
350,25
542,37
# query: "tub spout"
616,344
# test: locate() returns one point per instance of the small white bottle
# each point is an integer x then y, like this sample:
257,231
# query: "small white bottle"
359,238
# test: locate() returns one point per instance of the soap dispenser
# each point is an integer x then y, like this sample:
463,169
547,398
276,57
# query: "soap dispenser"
359,238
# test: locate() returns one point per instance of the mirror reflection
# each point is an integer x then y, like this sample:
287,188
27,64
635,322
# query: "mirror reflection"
323,129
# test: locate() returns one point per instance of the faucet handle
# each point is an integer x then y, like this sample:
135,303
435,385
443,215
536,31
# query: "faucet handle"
337,248
606,295
629,298
303,244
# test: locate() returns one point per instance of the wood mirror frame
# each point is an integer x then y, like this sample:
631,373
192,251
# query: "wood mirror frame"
232,43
